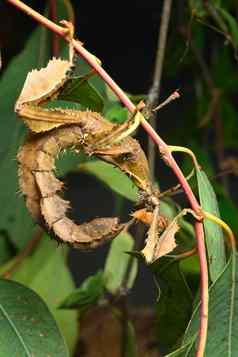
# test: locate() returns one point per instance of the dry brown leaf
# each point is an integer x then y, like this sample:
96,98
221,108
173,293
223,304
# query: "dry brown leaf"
152,239
158,246
166,242
41,86
44,83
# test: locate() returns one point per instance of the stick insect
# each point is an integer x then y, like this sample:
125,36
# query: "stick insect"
54,130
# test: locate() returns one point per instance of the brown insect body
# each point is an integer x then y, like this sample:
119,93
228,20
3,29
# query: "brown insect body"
54,130
42,189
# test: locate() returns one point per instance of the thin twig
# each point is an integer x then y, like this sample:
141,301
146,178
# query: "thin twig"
154,92
167,156
186,254
172,190
153,95
172,97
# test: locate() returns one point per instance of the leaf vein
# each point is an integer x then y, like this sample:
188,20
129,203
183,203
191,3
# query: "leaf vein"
28,353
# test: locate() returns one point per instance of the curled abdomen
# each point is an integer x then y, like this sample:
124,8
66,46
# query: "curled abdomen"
42,190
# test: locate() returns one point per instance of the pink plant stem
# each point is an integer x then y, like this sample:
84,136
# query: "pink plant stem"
204,295
87,56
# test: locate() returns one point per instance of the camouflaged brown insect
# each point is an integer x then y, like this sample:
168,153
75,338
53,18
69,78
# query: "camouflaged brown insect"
52,131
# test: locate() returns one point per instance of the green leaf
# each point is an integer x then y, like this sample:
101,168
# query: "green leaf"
39,272
197,8
7,250
223,315
112,99
27,327
117,114
78,89
88,294
217,2
136,98
229,212
112,177
83,69
232,24
182,351
173,309
202,157
213,232
168,209
224,74
190,265
67,161
117,263
14,218
111,96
